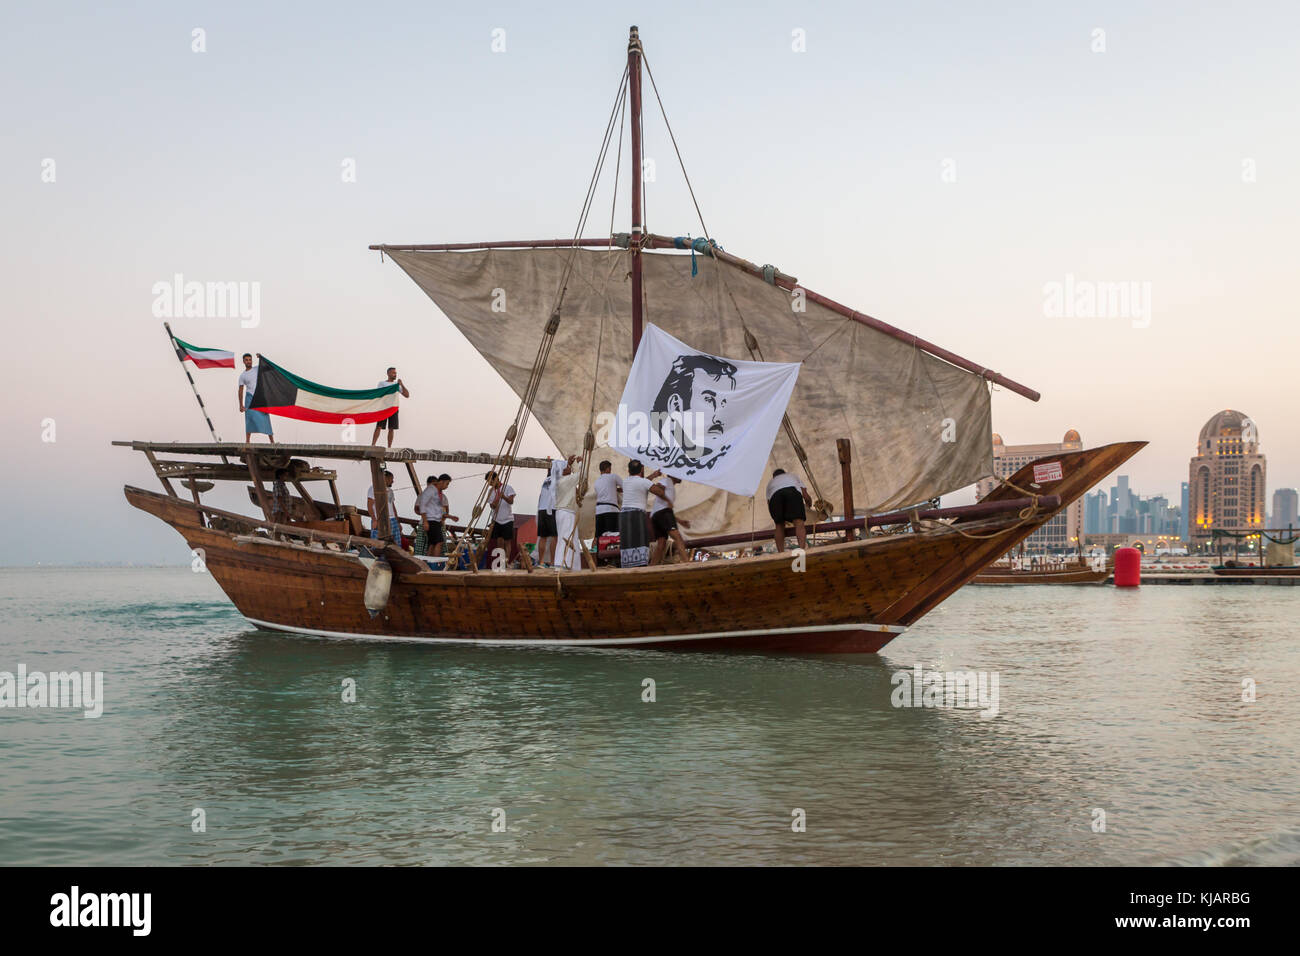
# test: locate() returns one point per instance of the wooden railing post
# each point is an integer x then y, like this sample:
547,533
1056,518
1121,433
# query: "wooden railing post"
379,518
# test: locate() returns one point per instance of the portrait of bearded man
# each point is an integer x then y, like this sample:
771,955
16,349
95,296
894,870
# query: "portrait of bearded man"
688,414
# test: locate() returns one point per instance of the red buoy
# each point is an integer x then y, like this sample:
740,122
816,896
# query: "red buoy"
1128,567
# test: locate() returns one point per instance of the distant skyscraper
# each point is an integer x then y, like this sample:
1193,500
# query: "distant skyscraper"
1182,514
1123,498
1285,502
1227,477
1094,513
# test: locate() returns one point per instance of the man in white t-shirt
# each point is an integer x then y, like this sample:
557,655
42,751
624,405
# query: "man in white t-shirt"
391,421
432,508
255,422
633,539
569,545
546,518
609,489
663,496
394,526
500,499
786,497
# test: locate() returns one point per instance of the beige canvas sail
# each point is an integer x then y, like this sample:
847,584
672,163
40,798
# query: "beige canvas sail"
919,426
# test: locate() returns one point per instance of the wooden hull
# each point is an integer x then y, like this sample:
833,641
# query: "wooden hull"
852,597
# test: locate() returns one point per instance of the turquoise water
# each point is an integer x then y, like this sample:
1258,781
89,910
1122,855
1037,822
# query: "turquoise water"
1127,702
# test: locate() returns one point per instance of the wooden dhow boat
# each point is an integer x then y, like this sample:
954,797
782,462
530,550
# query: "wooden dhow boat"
1074,572
560,321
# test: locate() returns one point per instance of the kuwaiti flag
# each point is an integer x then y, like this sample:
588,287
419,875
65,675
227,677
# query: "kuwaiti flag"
280,392
701,417
204,358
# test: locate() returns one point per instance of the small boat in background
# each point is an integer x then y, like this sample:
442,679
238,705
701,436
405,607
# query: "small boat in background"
1234,570
1077,571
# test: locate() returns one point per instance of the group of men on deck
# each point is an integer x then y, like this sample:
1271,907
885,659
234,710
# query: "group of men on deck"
623,506
638,508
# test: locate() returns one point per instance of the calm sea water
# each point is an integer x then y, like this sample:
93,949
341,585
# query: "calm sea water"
1127,702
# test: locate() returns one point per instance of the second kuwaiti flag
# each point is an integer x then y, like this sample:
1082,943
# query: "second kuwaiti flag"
280,392
204,358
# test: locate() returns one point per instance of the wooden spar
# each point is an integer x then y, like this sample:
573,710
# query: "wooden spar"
415,479
505,244
845,449
982,510
199,398
383,527
234,471
316,509
255,472
634,88
334,493
344,452
166,483
789,283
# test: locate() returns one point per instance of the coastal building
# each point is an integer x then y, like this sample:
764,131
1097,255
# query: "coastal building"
1064,532
1285,502
1226,478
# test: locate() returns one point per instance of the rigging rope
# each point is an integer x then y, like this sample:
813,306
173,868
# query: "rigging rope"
504,459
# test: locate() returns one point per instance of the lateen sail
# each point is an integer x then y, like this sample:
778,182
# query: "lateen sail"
919,426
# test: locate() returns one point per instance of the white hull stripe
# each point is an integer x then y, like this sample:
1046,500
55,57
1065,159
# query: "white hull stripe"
584,642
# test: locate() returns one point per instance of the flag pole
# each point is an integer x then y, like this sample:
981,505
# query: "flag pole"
180,357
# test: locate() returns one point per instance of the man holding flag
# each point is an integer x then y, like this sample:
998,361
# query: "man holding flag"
255,422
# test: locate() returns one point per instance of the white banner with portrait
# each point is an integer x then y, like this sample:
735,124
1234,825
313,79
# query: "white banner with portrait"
700,417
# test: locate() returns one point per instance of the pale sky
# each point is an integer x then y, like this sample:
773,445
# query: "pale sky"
935,165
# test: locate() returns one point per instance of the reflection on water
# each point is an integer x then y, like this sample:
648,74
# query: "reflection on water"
1124,702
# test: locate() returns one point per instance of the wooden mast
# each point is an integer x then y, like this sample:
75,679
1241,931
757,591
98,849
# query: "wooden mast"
845,450
634,86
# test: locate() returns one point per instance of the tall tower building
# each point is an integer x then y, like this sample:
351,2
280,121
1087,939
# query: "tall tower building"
1183,512
1285,503
1226,477
1064,532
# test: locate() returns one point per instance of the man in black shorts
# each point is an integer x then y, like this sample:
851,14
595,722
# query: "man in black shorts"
786,497
609,490
391,421
663,496
500,499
